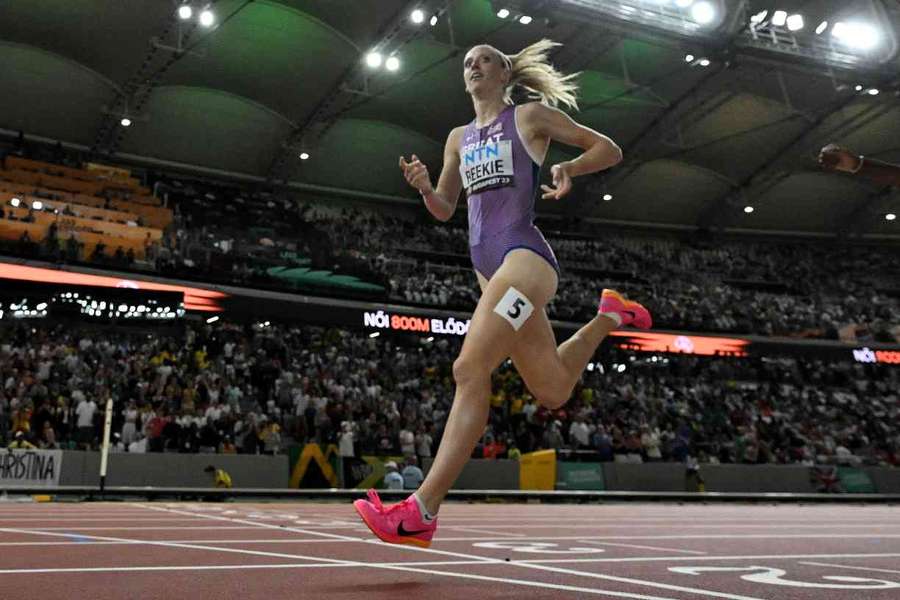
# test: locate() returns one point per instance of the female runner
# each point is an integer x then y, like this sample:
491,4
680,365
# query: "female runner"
497,159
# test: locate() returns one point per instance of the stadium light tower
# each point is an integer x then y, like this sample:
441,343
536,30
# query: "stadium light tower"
680,18
849,33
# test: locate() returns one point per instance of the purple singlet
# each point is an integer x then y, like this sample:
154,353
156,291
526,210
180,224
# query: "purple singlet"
500,178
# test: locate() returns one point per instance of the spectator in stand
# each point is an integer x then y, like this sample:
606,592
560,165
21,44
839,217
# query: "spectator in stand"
406,440
85,412
20,442
412,474
393,480
346,440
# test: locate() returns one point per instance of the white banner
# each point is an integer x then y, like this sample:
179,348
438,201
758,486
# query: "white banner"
30,468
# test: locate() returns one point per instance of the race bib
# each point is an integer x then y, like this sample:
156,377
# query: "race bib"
487,167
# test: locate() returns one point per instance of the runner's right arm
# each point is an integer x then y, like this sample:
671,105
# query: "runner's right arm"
440,202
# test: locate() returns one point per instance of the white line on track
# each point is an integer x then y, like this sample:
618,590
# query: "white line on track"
694,558
488,560
101,520
346,563
126,528
481,531
640,547
854,567
722,526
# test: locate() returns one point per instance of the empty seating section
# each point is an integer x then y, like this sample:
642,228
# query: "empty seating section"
96,205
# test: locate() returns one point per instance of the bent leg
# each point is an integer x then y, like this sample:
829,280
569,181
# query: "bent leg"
551,372
490,340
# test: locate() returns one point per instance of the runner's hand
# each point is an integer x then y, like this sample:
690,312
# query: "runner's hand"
834,157
562,183
416,174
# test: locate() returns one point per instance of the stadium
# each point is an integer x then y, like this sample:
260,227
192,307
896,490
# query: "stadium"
359,298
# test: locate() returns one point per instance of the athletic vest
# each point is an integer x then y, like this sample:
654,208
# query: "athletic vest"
499,176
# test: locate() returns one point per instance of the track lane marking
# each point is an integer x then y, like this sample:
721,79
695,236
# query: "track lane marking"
641,547
524,564
347,563
854,567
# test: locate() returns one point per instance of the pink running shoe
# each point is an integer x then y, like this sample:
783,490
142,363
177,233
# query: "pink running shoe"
629,311
398,524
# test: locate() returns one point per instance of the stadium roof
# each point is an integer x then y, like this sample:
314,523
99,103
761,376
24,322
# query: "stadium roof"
274,78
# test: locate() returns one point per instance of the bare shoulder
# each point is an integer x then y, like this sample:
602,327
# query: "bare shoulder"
456,135
536,111
535,119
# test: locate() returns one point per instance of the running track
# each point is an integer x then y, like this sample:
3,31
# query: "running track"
314,550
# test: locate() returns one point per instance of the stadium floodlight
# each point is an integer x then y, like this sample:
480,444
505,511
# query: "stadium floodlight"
417,16
607,197
185,12
207,18
822,27
373,59
525,19
861,36
392,64
688,58
37,205
748,209
304,156
795,22
779,18
759,17
125,122
503,13
890,217
703,13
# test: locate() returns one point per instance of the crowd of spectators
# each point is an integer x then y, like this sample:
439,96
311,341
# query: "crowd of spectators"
224,233
258,389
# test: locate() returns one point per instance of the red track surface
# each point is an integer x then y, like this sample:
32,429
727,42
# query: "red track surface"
269,551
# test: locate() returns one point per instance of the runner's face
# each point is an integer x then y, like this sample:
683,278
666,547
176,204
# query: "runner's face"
483,69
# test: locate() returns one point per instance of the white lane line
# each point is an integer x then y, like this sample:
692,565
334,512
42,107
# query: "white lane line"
854,567
656,584
800,536
641,547
147,528
723,526
482,531
523,564
678,558
346,563
165,544
232,541
162,568
478,559
101,520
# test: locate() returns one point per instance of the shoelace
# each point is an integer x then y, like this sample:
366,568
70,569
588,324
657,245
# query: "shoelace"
375,500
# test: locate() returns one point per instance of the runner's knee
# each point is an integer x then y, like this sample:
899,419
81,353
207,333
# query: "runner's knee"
551,396
467,371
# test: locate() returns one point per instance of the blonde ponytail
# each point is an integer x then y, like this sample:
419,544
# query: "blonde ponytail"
531,69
